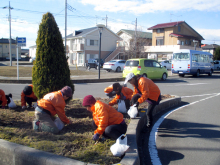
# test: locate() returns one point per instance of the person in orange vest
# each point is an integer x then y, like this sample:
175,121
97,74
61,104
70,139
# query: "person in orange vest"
4,99
122,93
27,96
107,121
144,90
51,104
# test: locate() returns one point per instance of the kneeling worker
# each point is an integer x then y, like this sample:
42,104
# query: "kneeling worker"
122,93
28,96
4,99
50,105
107,120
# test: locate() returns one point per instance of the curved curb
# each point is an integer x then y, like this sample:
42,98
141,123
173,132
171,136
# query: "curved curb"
16,154
134,129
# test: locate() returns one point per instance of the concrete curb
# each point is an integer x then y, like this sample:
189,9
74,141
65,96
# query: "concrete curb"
73,81
16,154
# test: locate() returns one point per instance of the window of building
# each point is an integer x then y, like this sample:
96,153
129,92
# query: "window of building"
159,42
161,30
94,42
179,28
189,42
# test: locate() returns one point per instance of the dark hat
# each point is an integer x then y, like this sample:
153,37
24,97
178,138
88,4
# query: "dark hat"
67,91
89,100
27,90
116,86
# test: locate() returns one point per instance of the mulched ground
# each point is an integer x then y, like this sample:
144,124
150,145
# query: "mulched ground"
74,141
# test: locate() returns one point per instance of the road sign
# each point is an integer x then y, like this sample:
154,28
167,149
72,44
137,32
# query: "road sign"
21,41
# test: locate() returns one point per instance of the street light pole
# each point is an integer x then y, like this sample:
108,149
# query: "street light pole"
100,28
9,19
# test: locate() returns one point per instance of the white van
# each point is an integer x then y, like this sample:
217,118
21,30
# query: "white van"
192,62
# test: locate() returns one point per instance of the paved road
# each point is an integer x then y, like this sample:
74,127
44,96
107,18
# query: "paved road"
189,134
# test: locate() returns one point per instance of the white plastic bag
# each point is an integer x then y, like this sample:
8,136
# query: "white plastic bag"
11,104
122,107
59,123
119,148
133,111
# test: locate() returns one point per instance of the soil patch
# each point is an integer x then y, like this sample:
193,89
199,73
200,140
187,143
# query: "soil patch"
74,141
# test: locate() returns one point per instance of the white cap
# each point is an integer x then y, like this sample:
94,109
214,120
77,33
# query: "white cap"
128,77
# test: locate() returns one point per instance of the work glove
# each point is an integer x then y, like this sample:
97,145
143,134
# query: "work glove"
96,137
24,107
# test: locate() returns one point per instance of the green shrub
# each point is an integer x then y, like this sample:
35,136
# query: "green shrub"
50,71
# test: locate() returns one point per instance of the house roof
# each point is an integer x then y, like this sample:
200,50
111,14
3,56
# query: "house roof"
6,41
82,32
183,36
172,24
140,33
165,25
211,46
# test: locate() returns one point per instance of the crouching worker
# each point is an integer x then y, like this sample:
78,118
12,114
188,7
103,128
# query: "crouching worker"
50,105
144,90
122,93
4,99
107,121
28,96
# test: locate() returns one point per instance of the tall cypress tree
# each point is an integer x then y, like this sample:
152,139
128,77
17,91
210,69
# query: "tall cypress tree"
50,71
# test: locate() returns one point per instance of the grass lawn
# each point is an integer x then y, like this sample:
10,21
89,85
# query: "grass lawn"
11,71
74,141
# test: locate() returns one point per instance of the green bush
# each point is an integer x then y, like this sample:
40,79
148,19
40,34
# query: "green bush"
50,71
217,53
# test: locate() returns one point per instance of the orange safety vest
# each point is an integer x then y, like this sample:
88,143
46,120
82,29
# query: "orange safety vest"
148,89
55,104
3,97
108,89
127,92
32,95
105,115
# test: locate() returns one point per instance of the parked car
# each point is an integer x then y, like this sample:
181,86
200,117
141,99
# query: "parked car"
147,67
166,64
217,64
32,59
94,63
115,65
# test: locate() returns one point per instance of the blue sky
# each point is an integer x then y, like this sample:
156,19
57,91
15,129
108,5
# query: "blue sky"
202,15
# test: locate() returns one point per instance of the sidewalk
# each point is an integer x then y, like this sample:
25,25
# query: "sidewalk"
104,77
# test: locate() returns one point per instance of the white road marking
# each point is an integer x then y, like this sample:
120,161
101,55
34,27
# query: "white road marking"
199,95
153,134
187,84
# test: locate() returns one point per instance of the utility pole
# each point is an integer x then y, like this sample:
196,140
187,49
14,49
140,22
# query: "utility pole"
65,23
9,19
135,38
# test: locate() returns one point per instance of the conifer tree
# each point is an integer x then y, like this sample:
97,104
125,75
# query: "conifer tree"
50,71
